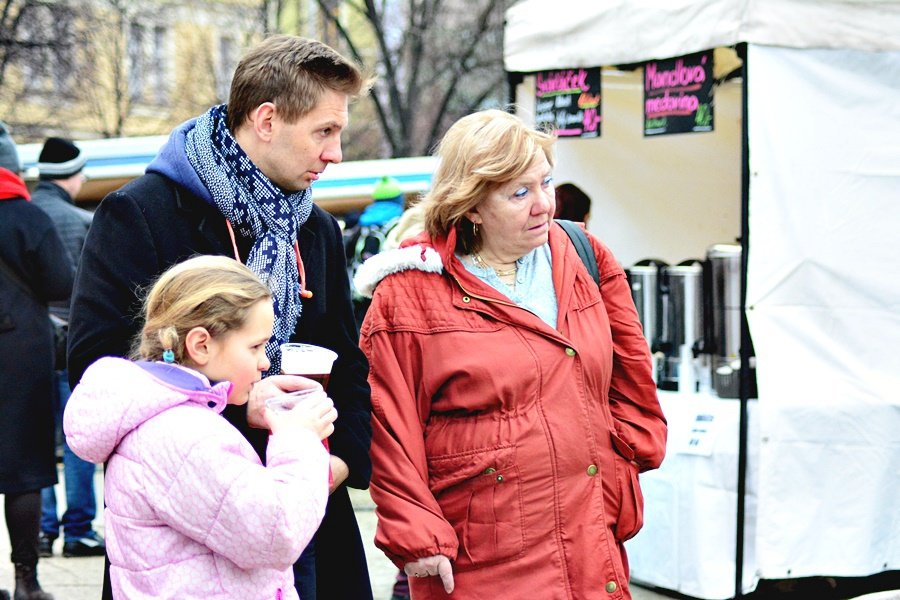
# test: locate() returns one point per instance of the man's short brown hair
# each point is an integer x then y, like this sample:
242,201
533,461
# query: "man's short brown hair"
293,73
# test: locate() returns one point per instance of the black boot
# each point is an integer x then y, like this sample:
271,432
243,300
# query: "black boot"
27,586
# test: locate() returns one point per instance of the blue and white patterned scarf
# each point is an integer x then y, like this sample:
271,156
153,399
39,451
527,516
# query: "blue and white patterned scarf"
257,209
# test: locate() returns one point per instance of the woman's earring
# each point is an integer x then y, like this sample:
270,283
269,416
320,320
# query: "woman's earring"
168,356
474,229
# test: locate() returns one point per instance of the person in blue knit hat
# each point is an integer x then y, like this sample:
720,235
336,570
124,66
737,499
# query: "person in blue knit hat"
387,205
367,237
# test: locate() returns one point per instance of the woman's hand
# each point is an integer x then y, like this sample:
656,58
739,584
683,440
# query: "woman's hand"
433,565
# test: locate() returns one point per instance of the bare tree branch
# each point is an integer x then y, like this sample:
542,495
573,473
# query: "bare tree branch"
400,140
434,57
354,51
483,26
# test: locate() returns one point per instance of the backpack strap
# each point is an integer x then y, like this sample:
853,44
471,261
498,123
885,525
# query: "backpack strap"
582,246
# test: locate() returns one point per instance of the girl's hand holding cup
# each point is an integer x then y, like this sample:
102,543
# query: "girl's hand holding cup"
308,408
265,389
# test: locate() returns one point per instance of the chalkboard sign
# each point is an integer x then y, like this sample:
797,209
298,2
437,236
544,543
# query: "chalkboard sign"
569,102
678,94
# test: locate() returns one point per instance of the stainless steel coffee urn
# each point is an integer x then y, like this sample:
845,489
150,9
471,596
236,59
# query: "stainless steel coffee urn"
644,280
725,316
683,326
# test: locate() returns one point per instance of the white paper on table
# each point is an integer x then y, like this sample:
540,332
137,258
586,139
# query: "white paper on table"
700,435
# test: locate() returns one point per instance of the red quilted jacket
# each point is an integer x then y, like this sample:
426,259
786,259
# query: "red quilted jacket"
506,445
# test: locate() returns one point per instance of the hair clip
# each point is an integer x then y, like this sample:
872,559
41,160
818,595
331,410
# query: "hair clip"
168,356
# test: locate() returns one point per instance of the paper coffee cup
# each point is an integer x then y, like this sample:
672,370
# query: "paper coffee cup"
312,362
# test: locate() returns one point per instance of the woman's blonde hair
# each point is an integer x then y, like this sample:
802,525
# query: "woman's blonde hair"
479,153
213,292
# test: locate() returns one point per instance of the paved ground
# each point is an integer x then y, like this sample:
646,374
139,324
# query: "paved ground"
81,578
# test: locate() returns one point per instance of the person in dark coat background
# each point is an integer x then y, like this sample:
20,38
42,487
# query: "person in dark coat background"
61,165
236,181
33,271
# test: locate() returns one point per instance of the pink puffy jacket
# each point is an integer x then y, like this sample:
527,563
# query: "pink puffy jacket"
190,511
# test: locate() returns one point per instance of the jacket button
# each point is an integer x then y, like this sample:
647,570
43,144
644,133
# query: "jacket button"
570,351
591,471
499,478
611,587
466,299
211,404
490,470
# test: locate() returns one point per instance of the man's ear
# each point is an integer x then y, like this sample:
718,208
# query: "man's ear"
197,346
262,121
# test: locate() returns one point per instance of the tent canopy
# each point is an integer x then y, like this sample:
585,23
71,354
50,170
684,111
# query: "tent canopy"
559,34
822,123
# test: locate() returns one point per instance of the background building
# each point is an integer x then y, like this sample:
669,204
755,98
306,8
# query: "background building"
112,68
88,69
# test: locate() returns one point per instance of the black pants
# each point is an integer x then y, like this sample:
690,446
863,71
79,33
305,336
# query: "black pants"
23,518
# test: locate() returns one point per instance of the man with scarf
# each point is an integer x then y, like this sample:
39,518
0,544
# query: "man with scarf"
236,181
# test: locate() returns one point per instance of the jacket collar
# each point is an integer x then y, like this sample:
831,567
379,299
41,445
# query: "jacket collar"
421,256
47,186
418,252
208,221
437,256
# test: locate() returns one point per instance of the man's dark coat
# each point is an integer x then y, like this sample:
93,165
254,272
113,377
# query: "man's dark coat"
152,223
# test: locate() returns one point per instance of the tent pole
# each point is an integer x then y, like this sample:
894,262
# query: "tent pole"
513,79
744,374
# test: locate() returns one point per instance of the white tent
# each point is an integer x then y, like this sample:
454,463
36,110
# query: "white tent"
822,208
552,34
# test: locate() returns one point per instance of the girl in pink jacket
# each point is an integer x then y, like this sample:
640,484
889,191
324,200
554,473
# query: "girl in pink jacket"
190,510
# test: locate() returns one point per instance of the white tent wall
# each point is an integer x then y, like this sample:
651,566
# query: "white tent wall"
824,308
668,197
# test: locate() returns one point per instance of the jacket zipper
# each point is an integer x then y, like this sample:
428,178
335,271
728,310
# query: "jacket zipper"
556,509
471,295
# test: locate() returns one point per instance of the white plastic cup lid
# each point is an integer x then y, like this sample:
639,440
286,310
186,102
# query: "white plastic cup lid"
299,359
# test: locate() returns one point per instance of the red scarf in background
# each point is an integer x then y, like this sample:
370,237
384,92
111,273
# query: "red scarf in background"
12,186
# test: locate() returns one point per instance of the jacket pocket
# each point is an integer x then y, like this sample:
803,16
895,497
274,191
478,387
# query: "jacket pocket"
480,495
631,500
